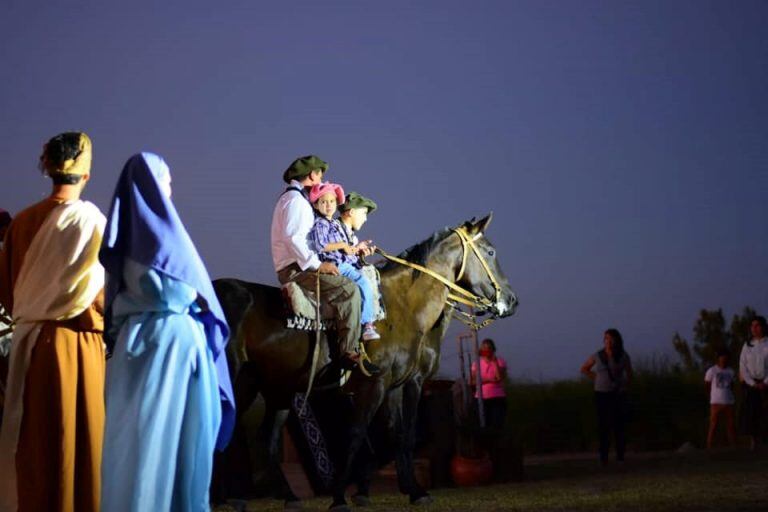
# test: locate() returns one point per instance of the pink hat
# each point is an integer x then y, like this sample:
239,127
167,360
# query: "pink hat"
320,190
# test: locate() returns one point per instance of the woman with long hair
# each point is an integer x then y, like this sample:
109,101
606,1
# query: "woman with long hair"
611,371
493,371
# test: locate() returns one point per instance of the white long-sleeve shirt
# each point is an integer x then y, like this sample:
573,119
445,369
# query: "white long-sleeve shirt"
291,222
753,362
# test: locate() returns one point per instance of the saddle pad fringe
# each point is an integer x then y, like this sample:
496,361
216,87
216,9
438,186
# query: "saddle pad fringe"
308,324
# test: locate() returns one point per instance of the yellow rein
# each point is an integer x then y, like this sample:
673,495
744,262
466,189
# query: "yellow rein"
461,295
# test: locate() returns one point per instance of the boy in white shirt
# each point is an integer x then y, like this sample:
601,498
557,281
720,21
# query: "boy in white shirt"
720,379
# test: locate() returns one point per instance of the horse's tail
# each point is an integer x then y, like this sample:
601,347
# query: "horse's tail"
235,299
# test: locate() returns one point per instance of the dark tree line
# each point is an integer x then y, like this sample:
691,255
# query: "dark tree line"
710,334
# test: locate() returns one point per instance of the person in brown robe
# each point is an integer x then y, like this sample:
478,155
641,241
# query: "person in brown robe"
52,433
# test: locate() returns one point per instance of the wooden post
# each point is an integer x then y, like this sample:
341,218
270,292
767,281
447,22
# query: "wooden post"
466,389
479,381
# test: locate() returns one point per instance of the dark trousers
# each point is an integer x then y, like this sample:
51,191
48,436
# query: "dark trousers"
495,412
611,409
753,412
343,296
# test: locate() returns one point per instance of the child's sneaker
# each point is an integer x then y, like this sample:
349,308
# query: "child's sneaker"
369,332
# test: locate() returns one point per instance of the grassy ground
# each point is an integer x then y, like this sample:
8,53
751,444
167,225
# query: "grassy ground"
699,481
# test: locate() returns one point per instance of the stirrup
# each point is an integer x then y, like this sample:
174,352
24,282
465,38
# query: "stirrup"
348,364
365,359
375,370
363,369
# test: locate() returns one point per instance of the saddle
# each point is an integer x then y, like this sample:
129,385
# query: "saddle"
301,304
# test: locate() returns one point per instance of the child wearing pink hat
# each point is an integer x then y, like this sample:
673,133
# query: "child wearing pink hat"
329,239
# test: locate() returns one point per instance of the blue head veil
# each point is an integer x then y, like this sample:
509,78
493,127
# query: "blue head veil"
143,225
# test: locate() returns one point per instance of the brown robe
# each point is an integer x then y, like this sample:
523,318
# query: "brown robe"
58,458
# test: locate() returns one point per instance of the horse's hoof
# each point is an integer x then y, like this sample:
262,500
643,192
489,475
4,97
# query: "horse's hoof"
238,505
361,500
339,507
422,500
293,505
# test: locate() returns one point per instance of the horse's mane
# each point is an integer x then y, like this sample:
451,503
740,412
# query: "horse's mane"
420,252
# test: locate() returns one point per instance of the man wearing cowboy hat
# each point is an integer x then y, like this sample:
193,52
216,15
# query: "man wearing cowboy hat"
295,261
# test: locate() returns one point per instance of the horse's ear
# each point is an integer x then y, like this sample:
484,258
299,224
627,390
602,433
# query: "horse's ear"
479,226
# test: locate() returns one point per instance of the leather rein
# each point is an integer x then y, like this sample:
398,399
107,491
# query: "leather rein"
456,293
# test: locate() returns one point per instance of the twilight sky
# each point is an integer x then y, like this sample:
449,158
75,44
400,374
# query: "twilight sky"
622,146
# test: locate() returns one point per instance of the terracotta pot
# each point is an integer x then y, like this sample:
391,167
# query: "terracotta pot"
468,472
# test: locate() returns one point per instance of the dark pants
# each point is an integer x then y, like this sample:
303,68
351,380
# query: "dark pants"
495,412
611,409
753,412
338,291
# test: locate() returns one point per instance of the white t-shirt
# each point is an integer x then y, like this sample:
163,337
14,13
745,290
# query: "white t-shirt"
722,385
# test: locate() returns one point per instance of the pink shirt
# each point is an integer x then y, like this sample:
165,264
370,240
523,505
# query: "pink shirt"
491,370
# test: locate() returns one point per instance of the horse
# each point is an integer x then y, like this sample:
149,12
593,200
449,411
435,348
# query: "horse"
420,289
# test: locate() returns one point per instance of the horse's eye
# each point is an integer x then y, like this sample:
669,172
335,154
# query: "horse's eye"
490,253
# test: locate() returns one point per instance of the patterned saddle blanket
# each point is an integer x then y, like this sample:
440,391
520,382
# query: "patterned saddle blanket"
301,304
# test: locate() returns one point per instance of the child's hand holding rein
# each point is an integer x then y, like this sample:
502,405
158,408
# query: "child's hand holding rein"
365,248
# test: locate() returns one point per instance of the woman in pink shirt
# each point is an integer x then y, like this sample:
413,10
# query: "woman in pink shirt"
493,371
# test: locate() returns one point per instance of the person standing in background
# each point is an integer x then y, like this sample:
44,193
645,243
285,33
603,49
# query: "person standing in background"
493,372
753,372
611,371
720,379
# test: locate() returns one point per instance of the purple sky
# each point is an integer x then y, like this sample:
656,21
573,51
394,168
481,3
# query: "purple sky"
622,146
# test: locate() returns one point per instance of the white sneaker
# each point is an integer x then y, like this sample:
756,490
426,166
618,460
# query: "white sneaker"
369,333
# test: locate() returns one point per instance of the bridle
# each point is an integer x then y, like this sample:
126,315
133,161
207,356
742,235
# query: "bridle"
458,295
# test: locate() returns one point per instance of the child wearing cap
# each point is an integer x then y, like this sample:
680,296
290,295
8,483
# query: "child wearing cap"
353,213
332,243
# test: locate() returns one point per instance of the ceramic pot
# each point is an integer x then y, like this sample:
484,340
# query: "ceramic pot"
468,472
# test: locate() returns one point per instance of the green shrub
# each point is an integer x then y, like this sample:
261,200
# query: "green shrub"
668,407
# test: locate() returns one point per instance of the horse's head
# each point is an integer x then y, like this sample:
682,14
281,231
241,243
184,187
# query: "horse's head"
479,270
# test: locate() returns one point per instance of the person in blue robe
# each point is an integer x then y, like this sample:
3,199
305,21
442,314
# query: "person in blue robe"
169,398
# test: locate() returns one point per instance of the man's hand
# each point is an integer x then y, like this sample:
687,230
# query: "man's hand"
327,267
348,249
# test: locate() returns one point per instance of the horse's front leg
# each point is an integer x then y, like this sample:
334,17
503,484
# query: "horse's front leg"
365,465
368,398
406,442
271,428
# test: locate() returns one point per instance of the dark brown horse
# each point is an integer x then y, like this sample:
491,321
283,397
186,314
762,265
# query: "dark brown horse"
269,359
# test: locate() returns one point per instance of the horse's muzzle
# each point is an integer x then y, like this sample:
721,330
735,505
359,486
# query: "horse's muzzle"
505,306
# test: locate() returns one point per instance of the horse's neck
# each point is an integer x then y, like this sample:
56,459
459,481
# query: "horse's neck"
420,298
